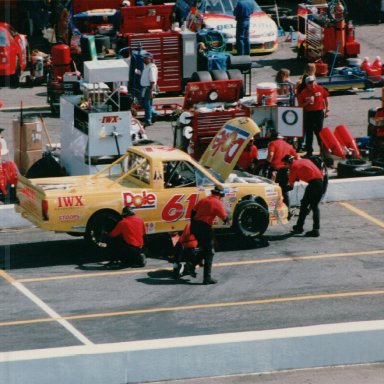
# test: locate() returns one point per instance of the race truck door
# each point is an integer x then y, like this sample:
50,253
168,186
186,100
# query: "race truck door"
228,144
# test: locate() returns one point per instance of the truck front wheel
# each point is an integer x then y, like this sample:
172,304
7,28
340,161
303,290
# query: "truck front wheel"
251,219
98,227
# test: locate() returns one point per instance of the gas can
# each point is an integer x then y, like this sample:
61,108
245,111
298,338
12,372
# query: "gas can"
61,59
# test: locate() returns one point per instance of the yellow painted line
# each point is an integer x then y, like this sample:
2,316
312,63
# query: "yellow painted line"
363,214
7,277
198,306
224,264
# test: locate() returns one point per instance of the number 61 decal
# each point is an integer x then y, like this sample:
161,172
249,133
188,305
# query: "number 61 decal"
175,208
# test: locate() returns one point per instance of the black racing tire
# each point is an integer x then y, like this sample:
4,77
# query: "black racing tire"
378,162
218,74
234,74
98,226
201,76
368,171
251,219
345,168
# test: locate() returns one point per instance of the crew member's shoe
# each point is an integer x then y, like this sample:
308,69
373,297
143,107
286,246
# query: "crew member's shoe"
178,272
209,281
141,261
189,269
296,229
313,233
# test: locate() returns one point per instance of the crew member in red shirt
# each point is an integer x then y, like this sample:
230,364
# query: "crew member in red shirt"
185,250
306,170
248,159
278,171
314,100
203,216
127,241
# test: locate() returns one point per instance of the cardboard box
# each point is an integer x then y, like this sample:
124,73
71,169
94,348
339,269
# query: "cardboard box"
25,159
27,137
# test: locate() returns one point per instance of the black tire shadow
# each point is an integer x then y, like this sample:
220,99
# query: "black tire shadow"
284,236
48,253
231,242
164,277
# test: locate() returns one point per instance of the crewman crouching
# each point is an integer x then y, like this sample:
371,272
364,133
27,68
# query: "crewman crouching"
127,241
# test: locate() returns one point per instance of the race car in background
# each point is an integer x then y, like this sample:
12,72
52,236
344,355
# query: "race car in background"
218,15
13,53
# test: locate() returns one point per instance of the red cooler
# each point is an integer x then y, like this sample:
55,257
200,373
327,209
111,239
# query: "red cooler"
266,93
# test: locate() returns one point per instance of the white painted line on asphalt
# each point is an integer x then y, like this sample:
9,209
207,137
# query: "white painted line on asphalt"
54,315
7,206
192,341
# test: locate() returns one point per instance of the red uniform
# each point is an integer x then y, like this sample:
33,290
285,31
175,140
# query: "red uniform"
307,171
206,211
277,149
314,100
208,208
132,229
248,156
304,170
187,239
320,95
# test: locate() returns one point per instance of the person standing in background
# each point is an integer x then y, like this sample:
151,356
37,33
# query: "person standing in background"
148,81
314,100
242,12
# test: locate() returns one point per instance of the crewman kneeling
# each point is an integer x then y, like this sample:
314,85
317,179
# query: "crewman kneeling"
127,241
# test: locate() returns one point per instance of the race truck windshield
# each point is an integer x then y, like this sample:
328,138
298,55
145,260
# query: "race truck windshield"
224,6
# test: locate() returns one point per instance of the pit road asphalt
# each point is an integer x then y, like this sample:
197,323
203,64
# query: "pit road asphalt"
282,282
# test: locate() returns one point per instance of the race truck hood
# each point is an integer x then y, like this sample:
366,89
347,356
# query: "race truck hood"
226,147
208,91
261,25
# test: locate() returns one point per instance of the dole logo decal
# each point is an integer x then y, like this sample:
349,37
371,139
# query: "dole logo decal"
143,200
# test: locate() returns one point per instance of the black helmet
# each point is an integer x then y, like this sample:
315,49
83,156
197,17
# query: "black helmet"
276,135
217,191
127,212
288,159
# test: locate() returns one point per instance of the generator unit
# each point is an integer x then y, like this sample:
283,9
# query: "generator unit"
207,106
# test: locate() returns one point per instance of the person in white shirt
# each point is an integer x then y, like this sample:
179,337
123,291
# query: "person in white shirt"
148,82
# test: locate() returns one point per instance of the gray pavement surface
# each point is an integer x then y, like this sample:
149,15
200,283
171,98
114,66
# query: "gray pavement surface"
359,374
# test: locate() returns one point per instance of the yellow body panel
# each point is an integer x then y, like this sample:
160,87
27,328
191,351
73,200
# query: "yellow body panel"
146,183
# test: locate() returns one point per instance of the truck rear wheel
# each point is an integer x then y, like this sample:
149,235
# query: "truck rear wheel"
98,226
251,219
